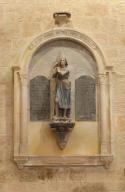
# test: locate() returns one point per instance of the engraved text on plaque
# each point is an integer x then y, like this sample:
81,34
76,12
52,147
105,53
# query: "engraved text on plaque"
85,105
39,98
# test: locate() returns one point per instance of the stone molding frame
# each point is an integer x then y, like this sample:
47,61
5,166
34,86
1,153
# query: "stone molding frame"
21,108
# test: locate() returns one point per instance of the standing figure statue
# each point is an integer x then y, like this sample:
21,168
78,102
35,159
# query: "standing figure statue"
62,96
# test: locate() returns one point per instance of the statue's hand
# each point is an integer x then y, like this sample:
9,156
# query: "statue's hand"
58,69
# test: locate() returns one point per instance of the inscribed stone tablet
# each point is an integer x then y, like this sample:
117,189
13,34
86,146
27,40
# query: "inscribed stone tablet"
39,98
85,101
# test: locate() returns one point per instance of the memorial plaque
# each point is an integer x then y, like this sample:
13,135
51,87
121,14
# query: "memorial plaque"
85,101
39,98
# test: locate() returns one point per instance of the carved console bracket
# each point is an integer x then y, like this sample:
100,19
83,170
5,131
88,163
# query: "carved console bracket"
62,131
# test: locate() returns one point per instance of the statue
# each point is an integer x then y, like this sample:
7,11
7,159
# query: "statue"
61,122
62,100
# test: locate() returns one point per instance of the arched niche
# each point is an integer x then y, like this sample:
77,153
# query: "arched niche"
91,63
80,63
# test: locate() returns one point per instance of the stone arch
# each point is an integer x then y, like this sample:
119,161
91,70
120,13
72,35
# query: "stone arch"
56,34
21,108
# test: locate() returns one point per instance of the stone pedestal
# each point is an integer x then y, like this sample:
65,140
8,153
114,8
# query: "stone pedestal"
62,131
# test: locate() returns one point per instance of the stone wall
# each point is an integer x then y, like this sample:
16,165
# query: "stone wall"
22,21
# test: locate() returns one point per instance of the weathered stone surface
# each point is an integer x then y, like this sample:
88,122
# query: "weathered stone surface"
104,22
91,188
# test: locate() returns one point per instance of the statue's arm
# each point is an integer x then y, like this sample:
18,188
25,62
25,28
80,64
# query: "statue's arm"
55,72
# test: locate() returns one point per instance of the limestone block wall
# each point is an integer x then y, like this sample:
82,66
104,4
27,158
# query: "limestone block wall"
20,22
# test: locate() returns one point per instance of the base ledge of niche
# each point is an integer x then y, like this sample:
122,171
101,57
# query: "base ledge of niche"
69,161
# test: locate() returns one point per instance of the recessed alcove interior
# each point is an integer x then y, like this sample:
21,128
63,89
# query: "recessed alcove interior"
84,139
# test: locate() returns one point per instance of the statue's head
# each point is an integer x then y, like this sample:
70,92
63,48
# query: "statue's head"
63,62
